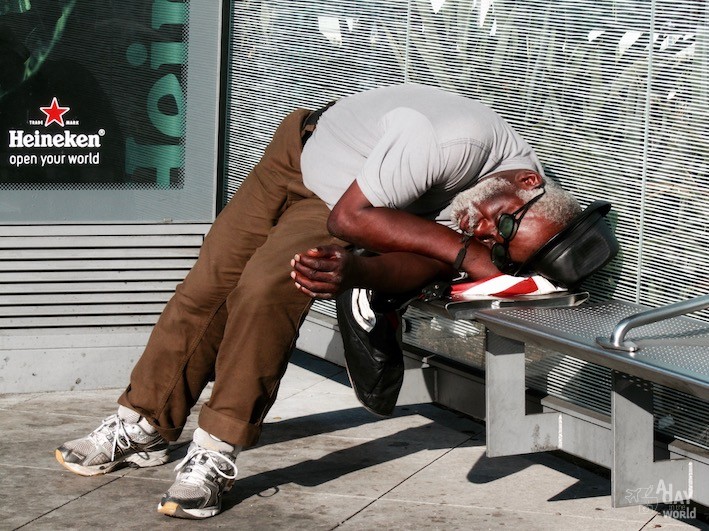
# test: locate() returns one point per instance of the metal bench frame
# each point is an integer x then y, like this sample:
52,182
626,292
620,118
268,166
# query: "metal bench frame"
625,443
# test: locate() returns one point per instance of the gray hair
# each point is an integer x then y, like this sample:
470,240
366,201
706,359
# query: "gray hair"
557,205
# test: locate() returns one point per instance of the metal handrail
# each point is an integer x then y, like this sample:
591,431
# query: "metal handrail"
617,340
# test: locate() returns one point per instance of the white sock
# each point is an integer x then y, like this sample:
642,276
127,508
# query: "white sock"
133,417
210,442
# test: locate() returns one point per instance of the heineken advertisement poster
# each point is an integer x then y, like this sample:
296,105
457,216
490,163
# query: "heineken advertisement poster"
92,93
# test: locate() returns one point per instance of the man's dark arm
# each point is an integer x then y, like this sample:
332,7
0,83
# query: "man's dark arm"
325,272
415,251
386,230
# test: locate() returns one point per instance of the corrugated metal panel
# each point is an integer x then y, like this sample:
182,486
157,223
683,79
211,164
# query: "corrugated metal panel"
65,276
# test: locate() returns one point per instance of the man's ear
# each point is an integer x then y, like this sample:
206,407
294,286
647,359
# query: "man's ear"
528,179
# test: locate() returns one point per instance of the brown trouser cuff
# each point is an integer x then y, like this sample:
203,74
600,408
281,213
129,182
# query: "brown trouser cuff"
169,434
228,429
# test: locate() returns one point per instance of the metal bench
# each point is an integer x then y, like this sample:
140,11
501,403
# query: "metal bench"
665,349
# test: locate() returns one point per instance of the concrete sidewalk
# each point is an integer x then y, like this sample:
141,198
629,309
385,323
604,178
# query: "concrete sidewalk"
323,463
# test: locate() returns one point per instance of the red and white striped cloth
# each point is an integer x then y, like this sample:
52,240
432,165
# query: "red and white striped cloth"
503,286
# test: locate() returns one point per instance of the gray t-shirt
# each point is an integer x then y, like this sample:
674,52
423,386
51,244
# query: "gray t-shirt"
410,147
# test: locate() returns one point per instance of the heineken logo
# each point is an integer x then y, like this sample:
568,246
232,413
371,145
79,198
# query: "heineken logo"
54,113
66,139
33,141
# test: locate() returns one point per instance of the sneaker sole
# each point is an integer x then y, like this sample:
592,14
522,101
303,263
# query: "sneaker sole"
135,460
176,511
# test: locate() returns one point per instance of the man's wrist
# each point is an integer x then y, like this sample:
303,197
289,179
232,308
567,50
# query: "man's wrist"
457,264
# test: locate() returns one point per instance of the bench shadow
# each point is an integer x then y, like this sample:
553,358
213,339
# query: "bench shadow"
374,452
333,465
591,480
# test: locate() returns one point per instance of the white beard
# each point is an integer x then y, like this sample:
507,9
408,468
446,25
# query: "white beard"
466,202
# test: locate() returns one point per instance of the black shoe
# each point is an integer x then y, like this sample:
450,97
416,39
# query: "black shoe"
375,361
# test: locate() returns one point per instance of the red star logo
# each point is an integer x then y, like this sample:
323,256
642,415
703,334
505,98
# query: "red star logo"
54,113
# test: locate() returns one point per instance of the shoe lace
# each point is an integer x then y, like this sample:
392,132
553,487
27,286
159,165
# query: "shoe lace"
204,463
112,431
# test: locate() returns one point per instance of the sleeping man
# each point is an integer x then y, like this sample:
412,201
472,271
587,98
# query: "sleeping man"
389,170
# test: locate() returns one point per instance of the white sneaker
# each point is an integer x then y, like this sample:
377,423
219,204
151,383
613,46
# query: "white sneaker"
207,471
124,437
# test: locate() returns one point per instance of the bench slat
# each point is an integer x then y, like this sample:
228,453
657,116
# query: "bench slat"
72,277
103,229
677,357
79,299
77,320
64,254
87,287
76,242
94,265
73,309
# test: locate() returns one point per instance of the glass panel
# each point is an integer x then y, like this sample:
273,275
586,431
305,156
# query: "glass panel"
675,255
95,101
288,54
571,75
299,53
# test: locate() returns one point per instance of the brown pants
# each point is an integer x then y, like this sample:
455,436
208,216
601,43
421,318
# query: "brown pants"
236,316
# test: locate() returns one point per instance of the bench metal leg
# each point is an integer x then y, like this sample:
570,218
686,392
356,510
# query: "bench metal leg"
585,433
636,478
509,430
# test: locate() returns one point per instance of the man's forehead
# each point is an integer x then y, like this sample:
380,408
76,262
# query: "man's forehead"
474,213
